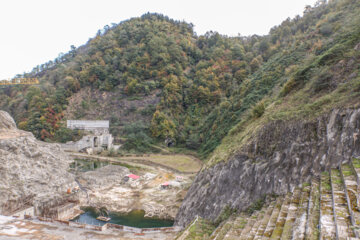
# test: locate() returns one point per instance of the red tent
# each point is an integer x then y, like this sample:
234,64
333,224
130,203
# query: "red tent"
133,176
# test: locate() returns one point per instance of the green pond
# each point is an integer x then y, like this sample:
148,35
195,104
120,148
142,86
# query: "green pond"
133,219
85,165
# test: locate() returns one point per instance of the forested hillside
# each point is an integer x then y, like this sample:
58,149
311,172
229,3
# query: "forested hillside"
155,79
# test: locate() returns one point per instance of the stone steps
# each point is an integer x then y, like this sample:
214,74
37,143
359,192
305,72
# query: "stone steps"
313,212
237,227
356,165
262,220
327,220
222,230
280,222
298,225
274,216
326,208
261,229
344,226
353,193
291,214
252,221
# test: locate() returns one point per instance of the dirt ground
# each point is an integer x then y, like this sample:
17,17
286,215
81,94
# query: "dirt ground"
144,193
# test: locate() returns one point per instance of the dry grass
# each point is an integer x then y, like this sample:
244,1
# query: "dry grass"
181,163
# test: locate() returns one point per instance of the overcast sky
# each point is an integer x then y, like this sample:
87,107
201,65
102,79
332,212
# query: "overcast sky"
36,31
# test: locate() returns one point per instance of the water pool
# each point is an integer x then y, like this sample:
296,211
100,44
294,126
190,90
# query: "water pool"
133,219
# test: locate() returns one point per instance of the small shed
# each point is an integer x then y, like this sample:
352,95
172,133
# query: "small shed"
179,178
133,176
165,185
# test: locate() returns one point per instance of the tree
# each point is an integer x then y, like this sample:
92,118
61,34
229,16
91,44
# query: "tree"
161,126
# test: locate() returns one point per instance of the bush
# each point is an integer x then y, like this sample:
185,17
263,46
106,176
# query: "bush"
148,110
322,81
326,29
258,110
257,205
288,87
225,214
138,140
64,135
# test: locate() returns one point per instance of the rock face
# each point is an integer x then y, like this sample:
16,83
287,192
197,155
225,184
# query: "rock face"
6,121
32,172
104,177
281,156
107,187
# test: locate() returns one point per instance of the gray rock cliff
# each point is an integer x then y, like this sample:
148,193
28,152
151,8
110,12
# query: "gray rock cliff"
31,172
281,156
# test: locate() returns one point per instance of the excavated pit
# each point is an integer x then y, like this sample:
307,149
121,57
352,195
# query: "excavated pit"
135,218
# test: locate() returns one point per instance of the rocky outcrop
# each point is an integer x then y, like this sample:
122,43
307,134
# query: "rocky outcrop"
6,121
104,177
32,172
108,188
280,156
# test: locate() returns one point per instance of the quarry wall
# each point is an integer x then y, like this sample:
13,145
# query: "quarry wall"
280,156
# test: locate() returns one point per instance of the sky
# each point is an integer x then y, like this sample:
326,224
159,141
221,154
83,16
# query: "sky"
36,31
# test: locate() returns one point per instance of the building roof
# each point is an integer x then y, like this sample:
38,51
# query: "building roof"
133,176
165,184
83,124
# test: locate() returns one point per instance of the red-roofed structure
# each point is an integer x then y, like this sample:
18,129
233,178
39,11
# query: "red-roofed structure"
133,176
165,185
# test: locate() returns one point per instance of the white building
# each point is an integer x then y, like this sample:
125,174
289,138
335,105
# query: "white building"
96,126
99,139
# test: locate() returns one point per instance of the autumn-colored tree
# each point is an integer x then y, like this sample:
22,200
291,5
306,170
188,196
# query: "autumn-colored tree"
161,126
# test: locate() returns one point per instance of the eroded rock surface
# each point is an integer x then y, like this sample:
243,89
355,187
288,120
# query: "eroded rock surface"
281,156
32,172
107,188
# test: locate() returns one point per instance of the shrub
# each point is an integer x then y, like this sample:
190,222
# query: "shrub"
257,205
258,110
288,87
64,135
326,29
322,81
225,214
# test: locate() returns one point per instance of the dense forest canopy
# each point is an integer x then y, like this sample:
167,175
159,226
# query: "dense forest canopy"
207,84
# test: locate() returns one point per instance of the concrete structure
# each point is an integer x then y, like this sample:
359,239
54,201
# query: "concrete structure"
90,143
67,211
30,211
99,139
97,127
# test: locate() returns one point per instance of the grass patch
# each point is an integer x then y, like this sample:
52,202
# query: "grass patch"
347,173
202,229
182,163
326,186
337,181
256,206
225,214
132,168
325,174
356,162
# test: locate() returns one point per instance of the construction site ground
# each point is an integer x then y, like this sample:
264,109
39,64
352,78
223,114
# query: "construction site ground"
11,228
144,193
